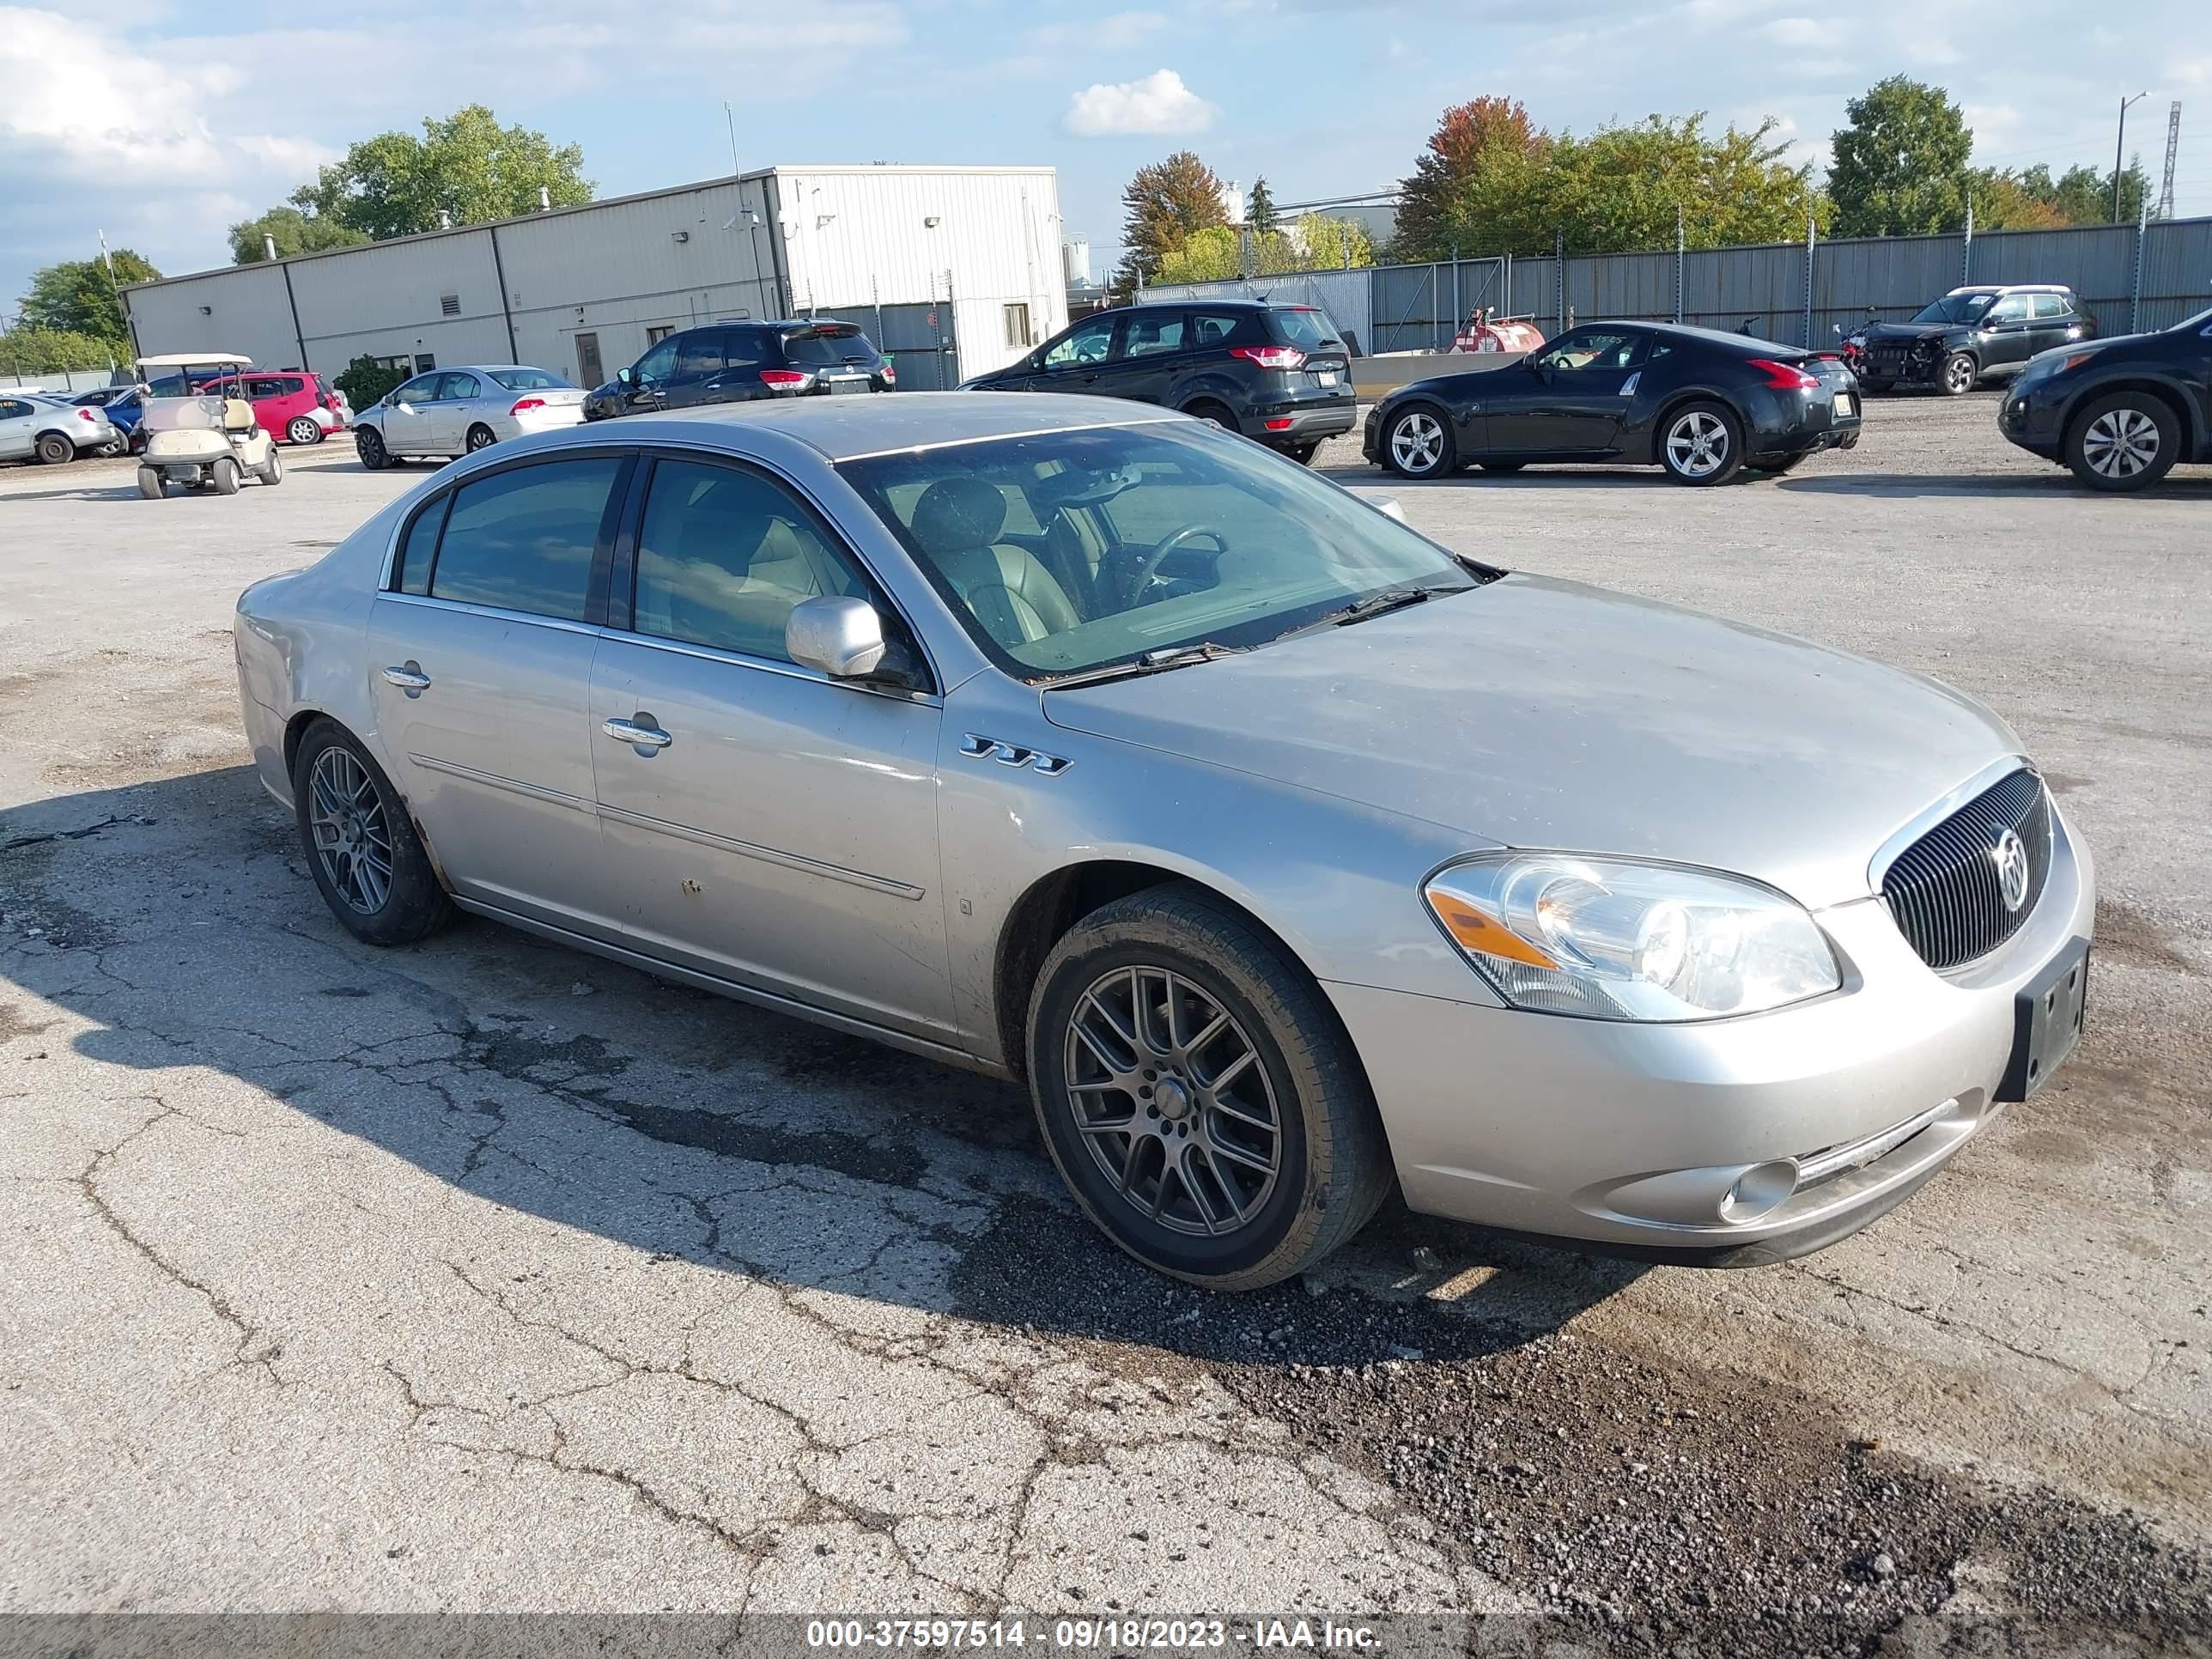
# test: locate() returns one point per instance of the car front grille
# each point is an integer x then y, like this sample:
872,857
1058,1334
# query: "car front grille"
1946,889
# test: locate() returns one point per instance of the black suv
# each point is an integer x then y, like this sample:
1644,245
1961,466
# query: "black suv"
1969,335
2120,412
739,362
1276,373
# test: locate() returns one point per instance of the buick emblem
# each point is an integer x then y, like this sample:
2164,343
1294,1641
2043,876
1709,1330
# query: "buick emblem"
2010,856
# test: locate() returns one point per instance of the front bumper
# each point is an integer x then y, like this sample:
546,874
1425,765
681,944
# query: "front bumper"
2035,422
1632,1137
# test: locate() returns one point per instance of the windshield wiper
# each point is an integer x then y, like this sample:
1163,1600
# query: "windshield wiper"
1375,604
1152,662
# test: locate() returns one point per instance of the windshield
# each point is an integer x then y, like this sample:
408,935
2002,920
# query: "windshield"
825,347
1956,308
2202,319
530,380
1065,551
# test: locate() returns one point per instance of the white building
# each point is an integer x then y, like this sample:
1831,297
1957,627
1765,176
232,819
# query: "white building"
952,270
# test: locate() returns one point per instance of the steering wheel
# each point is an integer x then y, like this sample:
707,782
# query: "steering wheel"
1141,577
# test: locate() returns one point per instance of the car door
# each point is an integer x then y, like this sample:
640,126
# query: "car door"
409,414
1155,347
2052,321
699,360
18,427
2007,333
745,352
480,666
1078,358
643,390
774,828
459,394
1569,398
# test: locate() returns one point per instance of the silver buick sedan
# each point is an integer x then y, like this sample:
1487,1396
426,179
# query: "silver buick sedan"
1284,854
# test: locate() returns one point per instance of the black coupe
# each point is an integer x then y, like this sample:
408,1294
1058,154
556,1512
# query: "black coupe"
1698,405
2120,412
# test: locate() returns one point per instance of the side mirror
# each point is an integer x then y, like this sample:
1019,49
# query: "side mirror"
622,375
1836,329
1037,358
843,637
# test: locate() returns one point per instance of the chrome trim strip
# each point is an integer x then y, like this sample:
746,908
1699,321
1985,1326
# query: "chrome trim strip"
766,854
1922,822
762,664
976,746
562,624
513,785
1835,1160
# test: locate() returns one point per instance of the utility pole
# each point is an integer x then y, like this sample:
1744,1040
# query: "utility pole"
2173,149
1678,262
730,117
2120,144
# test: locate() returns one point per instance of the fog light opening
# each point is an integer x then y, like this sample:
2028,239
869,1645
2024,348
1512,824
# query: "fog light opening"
1759,1191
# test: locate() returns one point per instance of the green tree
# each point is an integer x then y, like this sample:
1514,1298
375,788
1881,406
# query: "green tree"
77,297
365,381
1207,255
1165,203
1319,244
293,231
1901,163
53,351
1484,135
466,167
1260,208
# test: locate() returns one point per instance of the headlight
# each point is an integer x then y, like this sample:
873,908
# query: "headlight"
1611,939
1857,340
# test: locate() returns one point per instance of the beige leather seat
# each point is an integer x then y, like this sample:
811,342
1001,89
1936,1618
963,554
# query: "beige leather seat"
956,524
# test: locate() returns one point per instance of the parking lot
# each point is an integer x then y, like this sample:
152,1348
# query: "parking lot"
486,1275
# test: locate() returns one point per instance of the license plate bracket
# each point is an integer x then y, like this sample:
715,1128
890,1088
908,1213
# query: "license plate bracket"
2047,1019
1844,404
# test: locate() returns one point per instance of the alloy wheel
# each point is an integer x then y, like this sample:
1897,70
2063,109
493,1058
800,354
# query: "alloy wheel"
1959,375
1174,1100
353,839
1417,442
303,430
1698,444
481,437
2120,443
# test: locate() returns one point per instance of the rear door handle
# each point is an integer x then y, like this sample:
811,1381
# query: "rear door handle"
641,732
410,679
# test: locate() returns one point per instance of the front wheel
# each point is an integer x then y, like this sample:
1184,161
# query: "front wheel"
54,449
1198,1096
1702,444
151,484
368,444
301,430
481,437
1960,375
2129,440
273,471
362,848
1419,444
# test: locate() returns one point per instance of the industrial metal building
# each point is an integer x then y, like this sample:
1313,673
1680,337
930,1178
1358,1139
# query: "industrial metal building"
952,271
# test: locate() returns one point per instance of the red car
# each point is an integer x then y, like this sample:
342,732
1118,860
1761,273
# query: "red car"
293,405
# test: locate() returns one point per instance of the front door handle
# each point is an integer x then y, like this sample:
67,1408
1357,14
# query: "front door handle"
639,731
410,679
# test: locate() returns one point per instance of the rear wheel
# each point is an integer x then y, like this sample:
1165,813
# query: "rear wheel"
2128,440
1198,1094
368,444
1419,443
224,475
301,430
151,484
1219,415
481,437
1959,373
1301,454
1702,444
362,848
54,449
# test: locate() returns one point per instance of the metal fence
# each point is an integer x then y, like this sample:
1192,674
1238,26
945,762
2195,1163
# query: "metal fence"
73,380
2129,276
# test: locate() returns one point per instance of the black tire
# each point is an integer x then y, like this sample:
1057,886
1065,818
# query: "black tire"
1206,409
54,449
224,475
1784,463
1875,388
1301,454
413,906
1960,374
481,436
1332,1166
2109,446
1502,467
368,444
1419,443
301,429
1675,446
273,473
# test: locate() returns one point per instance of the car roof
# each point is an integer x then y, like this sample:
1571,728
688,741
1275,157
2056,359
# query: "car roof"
484,368
845,429
2012,288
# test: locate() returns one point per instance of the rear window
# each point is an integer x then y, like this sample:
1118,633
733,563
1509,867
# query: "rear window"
826,347
1305,328
530,380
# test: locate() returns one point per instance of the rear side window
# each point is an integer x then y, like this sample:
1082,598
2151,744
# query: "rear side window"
826,348
1149,335
419,550
530,380
746,348
523,539
1215,328
2050,305
1305,327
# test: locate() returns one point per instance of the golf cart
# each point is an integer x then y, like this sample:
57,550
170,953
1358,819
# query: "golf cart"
198,439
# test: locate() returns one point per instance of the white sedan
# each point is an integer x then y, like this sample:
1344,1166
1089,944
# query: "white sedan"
457,411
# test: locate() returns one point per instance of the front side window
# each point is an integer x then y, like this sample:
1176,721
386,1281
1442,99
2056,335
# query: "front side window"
260,391
1064,552
1088,342
724,556
422,389
523,539
1150,335
698,355
656,363
1591,347
2013,308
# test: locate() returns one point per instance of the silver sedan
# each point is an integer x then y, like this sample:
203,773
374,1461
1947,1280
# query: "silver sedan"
1285,854
457,412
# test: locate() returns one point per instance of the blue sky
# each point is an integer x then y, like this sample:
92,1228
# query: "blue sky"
162,122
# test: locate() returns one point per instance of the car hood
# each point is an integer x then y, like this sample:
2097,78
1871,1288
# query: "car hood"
1543,714
1909,332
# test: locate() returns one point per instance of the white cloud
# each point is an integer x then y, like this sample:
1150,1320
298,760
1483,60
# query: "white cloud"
1803,33
1159,103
